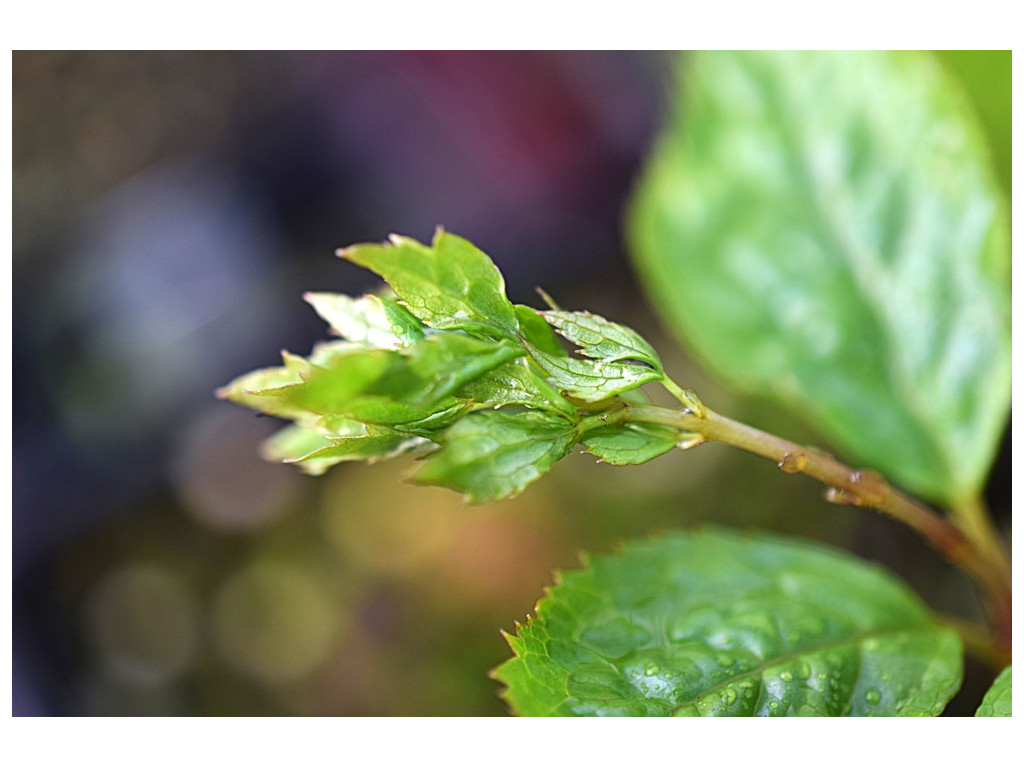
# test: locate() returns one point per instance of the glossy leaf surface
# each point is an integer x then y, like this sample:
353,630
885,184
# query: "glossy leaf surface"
630,443
495,454
712,623
450,284
377,444
593,380
368,320
390,387
516,383
998,701
262,390
602,339
824,228
536,331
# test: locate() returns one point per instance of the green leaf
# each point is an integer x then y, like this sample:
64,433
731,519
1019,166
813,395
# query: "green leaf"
630,443
718,623
377,444
536,330
315,449
516,383
331,387
602,339
593,380
252,390
621,359
391,387
493,455
447,362
998,701
987,77
293,442
824,228
369,320
449,285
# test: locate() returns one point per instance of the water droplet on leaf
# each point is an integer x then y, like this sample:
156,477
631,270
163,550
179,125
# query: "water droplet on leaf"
687,710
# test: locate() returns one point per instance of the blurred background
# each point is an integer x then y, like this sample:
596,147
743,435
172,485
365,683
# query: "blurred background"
169,211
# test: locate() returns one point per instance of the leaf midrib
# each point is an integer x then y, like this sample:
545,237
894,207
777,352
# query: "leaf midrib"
767,664
855,259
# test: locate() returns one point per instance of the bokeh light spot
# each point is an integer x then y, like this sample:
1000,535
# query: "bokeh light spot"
274,623
221,478
143,622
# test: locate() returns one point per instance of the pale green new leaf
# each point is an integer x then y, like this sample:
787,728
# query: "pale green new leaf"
370,320
296,442
252,389
630,443
449,285
377,444
713,623
495,454
293,442
317,445
825,228
998,701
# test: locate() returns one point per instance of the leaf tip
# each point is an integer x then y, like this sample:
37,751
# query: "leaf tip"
398,240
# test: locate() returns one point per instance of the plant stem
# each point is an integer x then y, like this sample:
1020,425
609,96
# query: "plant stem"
972,517
969,544
978,643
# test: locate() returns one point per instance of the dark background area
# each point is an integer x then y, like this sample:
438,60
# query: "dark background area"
169,211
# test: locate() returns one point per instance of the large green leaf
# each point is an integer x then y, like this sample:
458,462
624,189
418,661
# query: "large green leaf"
824,228
998,702
717,623
988,83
